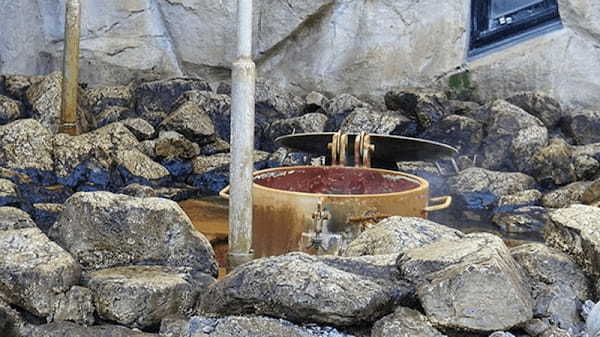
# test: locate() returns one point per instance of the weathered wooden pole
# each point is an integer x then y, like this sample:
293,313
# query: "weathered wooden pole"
70,84
242,142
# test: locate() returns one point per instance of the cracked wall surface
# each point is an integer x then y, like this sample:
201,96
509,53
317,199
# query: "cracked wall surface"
355,46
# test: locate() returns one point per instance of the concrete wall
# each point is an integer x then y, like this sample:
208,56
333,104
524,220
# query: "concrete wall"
363,47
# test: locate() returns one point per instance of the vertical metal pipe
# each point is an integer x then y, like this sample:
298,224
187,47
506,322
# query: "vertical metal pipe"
242,142
70,85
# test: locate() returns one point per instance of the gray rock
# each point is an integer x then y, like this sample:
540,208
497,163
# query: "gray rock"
584,127
11,320
137,167
16,86
45,100
79,159
300,288
315,102
586,167
76,306
68,329
284,157
308,123
34,271
464,133
141,129
339,107
147,147
45,214
527,219
25,144
253,326
426,106
574,230
192,121
502,334
9,195
99,99
273,102
592,326
172,145
476,191
512,138
552,165
10,110
218,146
104,230
471,284
373,121
404,322
519,199
14,218
565,196
155,100
540,105
140,296
559,286
217,106
397,234
113,114
591,195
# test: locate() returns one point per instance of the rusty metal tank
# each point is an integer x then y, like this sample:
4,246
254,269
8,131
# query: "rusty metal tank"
320,209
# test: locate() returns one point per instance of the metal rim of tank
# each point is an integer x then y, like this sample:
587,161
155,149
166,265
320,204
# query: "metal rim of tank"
423,184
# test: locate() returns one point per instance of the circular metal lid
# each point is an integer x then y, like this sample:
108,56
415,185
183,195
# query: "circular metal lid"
387,148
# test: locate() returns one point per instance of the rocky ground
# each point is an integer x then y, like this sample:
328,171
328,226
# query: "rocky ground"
94,244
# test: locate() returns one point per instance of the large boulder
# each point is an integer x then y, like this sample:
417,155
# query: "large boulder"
476,191
540,105
155,100
464,133
90,157
45,101
136,167
552,165
300,288
140,296
14,218
34,271
192,121
512,137
25,146
471,284
10,110
395,235
405,322
211,173
566,195
559,286
104,230
308,123
426,106
584,127
575,230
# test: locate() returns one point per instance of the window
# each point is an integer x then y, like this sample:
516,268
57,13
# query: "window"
497,23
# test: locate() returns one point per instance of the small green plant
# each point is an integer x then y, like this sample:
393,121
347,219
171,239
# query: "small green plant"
461,87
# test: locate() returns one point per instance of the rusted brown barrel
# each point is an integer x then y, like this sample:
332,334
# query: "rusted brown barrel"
286,199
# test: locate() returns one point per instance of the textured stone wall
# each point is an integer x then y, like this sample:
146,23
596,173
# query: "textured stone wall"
355,46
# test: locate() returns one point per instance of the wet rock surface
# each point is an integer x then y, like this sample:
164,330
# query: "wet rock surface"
14,218
559,286
574,230
513,137
395,235
405,322
299,288
34,271
471,284
140,296
104,230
